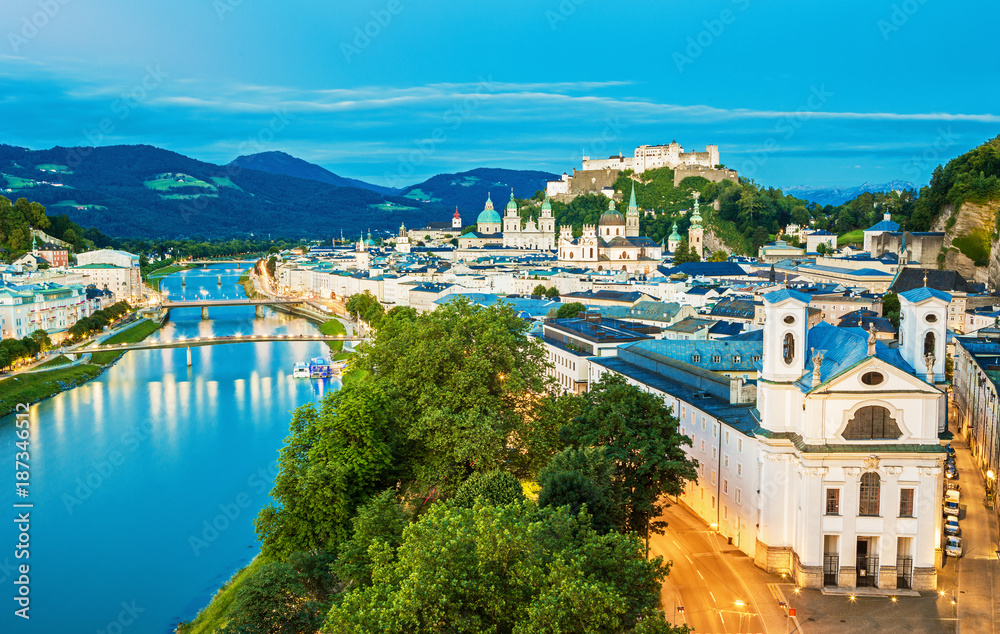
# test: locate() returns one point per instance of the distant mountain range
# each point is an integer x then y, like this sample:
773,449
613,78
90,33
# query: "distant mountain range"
144,191
840,195
288,165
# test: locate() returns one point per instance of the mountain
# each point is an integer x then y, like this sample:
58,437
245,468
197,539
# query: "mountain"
144,191
468,190
840,195
288,165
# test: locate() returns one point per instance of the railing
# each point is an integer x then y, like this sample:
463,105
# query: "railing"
904,573
831,570
867,571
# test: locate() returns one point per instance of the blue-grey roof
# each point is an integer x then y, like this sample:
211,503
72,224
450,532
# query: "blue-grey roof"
885,225
843,348
918,295
648,310
721,355
821,232
779,296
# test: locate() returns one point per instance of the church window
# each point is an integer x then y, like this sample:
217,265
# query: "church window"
906,502
931,317
929,344
591,251
833,501
695,358
788,348
789,319
869,498
872,422
571,255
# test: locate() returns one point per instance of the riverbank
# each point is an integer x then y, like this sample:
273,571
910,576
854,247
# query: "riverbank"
38,386
154,277
215,615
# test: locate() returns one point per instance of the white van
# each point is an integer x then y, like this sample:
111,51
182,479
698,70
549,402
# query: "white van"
951,500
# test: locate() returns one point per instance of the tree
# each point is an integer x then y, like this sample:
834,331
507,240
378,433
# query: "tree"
552,293
514,568
336,458
465,384
719,256
273,600
42,339
380,521
495,488
539,290
568,311
642,438
890,308
366,307
272,263
684,253
578,477
822,248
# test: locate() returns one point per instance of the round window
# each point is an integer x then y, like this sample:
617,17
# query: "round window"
789,319
931,318
872,378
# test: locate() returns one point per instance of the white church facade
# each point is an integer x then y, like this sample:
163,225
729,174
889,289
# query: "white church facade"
834,475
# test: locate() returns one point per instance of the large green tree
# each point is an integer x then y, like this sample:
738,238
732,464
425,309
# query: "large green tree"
642,438
337,457
512,569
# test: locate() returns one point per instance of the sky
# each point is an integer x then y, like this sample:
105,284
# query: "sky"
394,91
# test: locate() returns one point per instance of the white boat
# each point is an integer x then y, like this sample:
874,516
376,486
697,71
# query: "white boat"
301,371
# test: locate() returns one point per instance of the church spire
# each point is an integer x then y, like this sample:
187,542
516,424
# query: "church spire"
631,200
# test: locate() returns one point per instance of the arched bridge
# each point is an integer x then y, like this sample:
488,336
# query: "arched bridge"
205,304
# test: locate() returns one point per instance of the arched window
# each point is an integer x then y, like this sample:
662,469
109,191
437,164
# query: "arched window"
929,344
870,489
591,252
872,422
788,348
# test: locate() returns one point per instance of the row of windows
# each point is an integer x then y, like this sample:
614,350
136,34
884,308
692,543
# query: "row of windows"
869,496
696,358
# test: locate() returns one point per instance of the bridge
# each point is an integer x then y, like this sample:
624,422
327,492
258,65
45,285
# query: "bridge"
205,304
195,342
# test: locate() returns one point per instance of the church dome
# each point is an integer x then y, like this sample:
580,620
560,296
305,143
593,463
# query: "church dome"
512,204
488,215
675,236
611,217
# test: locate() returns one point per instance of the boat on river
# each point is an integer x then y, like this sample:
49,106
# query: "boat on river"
301,371
319,368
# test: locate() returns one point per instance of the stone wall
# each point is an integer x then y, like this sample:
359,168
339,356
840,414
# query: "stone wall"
713,175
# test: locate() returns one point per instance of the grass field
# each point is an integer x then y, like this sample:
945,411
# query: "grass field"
392,207
165,182
132,335
417,194
31,388
213,616
73,203
851,237
52,167
54,363
16,182
333,327
187,196
223,181
173,268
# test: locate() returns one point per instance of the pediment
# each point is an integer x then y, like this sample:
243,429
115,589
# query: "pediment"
860,379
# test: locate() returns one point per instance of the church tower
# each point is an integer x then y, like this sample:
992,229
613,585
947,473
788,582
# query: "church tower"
923,322
456,221
511,223
784,359
403,241
674,241
632,217
547,225
696,233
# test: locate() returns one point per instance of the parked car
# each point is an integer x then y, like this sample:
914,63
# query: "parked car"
953,546
950,472
951,450
951,503
951,526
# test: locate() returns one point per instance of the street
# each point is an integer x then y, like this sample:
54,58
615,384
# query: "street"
711,580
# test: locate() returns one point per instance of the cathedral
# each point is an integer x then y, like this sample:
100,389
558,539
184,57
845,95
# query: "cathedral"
613,245
510,231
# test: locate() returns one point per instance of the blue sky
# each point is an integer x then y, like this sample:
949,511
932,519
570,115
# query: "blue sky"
394,91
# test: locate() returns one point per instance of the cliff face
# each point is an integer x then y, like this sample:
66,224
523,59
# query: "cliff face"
969,244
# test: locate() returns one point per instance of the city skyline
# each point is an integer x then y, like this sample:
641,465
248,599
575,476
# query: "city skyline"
393,93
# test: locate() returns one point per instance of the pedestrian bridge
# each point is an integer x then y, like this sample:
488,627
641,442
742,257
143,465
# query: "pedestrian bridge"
205,304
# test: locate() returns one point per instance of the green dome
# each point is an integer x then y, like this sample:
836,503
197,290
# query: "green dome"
512,204
489,215
675,237
546,205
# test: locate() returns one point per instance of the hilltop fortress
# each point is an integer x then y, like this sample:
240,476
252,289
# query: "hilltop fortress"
598,175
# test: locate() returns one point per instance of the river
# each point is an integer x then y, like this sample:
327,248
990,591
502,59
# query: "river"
145,482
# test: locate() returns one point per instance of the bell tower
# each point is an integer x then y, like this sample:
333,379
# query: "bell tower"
923,321
632,217
785,323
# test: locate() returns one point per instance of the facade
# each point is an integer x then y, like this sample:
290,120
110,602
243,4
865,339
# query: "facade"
55,255
124,283
608,246
49,307
833,475
977,403
529,235
885,226
648,157
816,238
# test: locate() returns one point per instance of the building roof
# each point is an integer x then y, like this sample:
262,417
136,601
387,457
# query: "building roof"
721,355
918,295
735,307
488,215
775,297
706,269
913,277
884,225
691,325
843,348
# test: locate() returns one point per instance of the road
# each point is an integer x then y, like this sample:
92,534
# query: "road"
977,569
702,580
